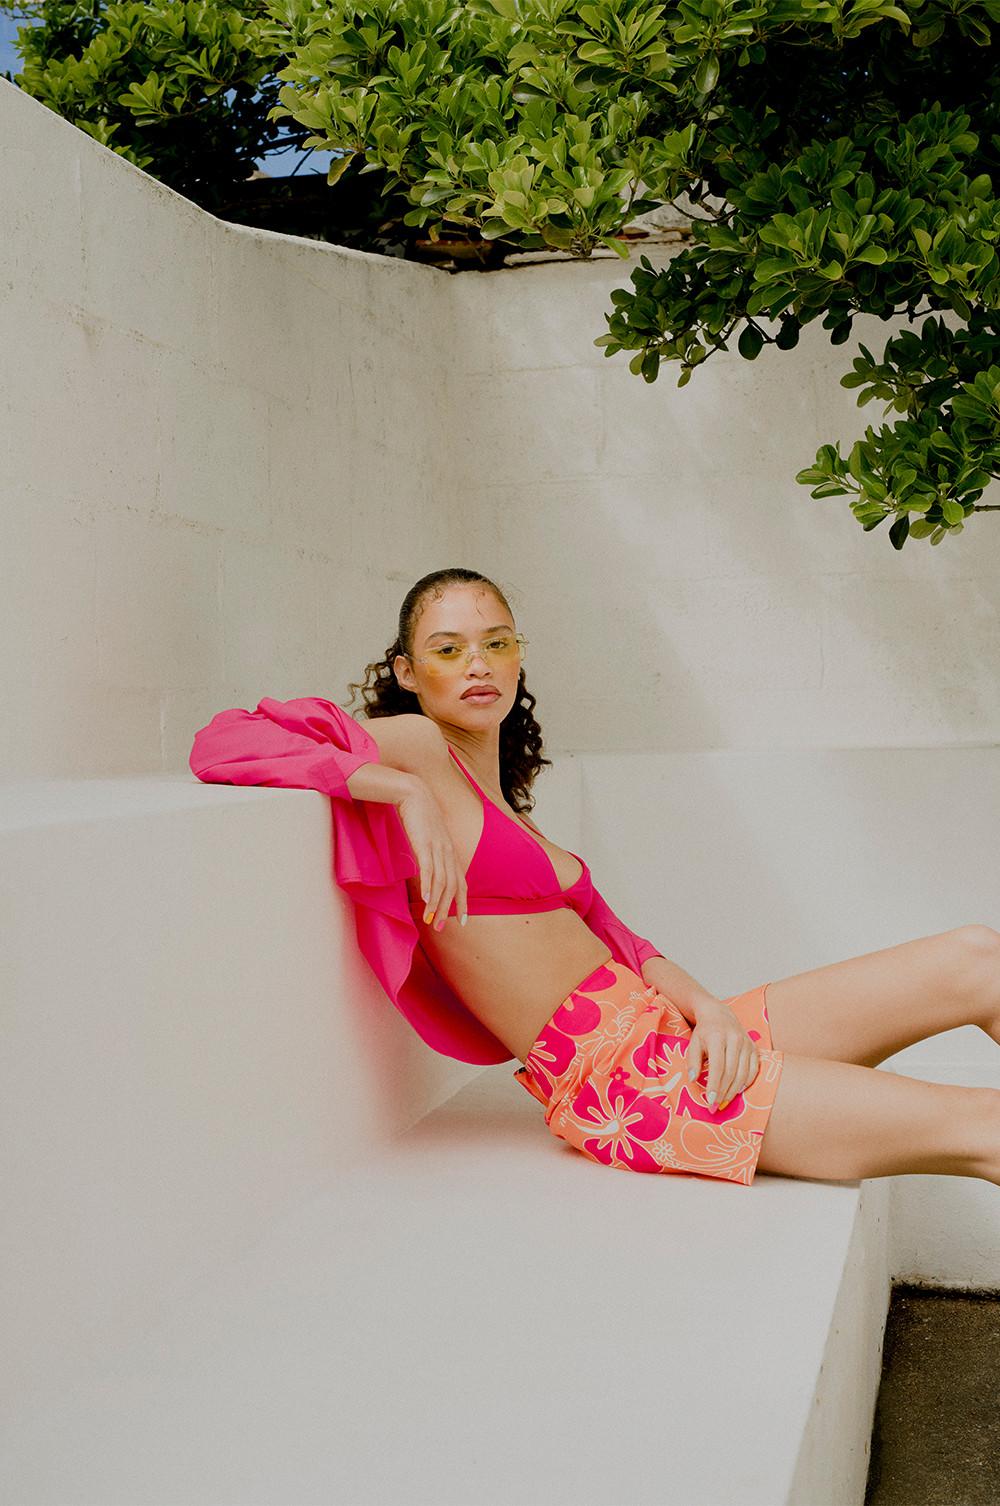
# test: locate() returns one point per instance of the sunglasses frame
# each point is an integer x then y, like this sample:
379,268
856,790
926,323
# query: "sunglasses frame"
456,659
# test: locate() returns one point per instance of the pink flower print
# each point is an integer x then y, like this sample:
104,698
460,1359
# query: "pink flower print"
554,1049
620,1118
652,1058
695,1110
601,977
549,1058
655,999
578,1015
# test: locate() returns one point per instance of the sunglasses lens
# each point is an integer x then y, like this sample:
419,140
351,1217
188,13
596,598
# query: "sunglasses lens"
452,657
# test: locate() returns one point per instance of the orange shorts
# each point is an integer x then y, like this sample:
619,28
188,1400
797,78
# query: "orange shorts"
608,1067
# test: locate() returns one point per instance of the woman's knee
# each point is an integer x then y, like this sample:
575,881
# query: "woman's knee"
983,941
979,949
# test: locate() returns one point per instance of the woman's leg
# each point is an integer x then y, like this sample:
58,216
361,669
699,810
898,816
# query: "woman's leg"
834,1121
869,1007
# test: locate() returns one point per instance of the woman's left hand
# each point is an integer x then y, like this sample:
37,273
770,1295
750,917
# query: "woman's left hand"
732,1057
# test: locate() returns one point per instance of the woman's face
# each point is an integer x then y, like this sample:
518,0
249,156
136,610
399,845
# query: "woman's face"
463,617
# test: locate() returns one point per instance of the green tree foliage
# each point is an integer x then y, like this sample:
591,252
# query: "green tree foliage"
839,157
169,86
183,89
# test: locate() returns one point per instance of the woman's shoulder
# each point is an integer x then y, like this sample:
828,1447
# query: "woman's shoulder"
409,741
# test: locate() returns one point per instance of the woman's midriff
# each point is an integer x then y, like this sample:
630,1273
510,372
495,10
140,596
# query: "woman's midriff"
513,971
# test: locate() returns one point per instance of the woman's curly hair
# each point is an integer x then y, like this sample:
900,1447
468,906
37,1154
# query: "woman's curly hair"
520,735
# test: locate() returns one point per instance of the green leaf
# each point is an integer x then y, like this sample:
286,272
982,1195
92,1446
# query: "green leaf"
788,335
899,531
926,36
771,299
856,461
751,343
494,229
770,267
707,74
339,166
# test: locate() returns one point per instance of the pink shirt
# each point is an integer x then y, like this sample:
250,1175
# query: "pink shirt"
312,744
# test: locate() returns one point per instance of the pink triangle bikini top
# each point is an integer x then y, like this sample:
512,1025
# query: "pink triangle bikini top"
510,872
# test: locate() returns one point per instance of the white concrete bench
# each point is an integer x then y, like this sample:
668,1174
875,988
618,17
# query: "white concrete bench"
481,1316
264,1247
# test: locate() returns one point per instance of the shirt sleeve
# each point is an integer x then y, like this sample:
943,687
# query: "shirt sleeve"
305,744
625,942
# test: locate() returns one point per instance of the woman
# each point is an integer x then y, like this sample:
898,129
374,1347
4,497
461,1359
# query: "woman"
495,943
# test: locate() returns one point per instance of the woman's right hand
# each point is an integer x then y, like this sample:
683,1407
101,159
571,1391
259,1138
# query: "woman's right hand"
441,878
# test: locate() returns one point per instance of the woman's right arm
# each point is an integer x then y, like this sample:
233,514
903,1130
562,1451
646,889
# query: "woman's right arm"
306,744
312,744
415,747
382,783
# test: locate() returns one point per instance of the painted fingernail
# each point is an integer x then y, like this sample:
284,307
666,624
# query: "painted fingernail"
711,1098
428,917
464,919
440,924
725,1105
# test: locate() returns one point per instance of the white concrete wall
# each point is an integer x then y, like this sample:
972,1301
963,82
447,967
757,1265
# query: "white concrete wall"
225,457
703,598
224,460
227,454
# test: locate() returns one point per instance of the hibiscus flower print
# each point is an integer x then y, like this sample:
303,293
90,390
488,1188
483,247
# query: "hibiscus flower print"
615,1122
554,1049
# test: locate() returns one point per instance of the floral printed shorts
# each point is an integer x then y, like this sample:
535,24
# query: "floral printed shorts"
608,1067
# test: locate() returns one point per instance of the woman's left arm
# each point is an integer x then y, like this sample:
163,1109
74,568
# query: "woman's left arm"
678,986
656,970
